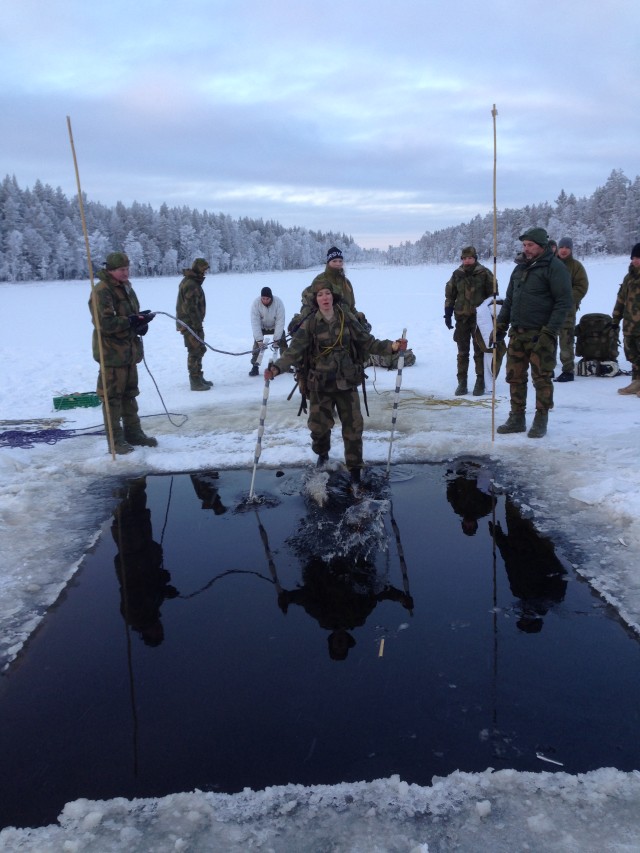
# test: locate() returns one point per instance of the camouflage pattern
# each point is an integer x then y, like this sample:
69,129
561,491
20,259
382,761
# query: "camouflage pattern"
191,307
331,356
338,284
627,312
579,287
467,288
538,349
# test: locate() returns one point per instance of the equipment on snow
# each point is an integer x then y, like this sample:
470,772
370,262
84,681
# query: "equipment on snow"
597,338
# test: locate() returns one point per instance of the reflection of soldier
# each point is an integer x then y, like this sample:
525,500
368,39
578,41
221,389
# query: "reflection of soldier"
340,597
206,488
469,497
536,576
144,583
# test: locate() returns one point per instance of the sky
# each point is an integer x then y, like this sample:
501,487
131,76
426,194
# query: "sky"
580,485
370,118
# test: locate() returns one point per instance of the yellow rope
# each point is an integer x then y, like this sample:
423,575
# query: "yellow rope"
338,340
413,400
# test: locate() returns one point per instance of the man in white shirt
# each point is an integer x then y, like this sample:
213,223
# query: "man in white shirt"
267,318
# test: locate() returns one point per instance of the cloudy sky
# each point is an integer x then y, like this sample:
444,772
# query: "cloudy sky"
368,117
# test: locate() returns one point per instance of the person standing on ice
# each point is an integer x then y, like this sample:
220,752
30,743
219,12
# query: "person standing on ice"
115,311
537,302
267,318
191,307
579,287
627,311
470,284
329,350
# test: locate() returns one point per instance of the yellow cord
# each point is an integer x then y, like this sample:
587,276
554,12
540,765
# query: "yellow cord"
338,340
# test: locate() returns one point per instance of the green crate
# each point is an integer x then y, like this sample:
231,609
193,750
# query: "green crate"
86,400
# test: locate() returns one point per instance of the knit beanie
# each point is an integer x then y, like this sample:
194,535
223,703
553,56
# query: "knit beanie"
266,291
635,252
566,243
333,253
536,235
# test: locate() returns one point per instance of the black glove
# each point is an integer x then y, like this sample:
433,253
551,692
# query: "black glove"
148,316
136,321
448,314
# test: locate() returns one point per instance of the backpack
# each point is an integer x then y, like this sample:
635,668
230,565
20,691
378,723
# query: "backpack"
596,339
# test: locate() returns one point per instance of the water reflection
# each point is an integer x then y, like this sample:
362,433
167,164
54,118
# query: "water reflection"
469,494
144,582
206,487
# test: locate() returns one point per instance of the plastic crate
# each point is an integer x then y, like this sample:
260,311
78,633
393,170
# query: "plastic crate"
86,400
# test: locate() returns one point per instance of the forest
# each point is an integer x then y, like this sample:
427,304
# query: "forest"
43,240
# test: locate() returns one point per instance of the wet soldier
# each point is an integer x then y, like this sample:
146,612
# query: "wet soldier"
121,326
537,302
191,308
329,350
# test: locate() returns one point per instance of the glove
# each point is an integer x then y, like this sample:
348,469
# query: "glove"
400,345
141,319
148,316
448,314
539,341
501,333
271,372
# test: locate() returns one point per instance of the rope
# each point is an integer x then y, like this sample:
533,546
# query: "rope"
411,399
213,349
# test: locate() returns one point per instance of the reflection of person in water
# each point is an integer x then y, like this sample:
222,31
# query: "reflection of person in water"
206,488
144,583
340,596
469,496
536,575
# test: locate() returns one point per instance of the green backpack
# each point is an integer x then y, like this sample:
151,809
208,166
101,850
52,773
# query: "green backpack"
596,338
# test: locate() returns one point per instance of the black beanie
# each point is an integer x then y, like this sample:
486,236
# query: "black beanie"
333,253
635,252
266,291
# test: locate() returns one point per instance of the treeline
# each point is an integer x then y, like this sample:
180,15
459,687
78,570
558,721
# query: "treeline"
42,239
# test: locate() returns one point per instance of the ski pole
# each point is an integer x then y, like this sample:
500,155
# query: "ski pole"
258,450
395,402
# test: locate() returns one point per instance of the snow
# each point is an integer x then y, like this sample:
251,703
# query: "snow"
580,484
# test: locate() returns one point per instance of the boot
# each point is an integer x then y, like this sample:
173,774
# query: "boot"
539,425
633,388
514,423
133,433
462,388
565,376
137,437
198,384
207,382
478,388
255,370
120,445
322,460
355,476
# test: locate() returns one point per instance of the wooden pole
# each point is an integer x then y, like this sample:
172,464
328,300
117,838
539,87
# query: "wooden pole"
494,356
94,304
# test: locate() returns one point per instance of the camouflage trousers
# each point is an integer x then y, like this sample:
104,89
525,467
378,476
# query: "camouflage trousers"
195,352
119,382
530,347
322,405
464,336
631,344
566,339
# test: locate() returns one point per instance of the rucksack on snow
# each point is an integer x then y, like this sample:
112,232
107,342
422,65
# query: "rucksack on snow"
596,339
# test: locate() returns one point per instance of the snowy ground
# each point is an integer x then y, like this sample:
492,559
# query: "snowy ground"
580,482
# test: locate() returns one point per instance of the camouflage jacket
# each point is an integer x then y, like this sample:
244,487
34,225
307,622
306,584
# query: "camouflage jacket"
332,354
627,307
579,280
191,305
467,288
338,282
121,346
539,294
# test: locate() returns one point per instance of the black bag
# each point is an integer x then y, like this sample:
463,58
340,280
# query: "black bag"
596,339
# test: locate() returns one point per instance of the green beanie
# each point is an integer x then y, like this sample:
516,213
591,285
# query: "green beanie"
115,260
536,235
468,252
200,265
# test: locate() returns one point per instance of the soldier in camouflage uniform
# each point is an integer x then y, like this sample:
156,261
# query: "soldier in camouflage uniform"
115,312
191,308
330,348
627,311
536,305
579,287
468,287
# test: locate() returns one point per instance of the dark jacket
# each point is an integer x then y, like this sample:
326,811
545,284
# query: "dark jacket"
627,307
467,288
539,295
121,345
191,305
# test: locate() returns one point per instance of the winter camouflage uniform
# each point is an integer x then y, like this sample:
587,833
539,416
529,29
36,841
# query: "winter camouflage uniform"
536,305
340,285
191,307
331,355
579,287
467,288
122,350
627,311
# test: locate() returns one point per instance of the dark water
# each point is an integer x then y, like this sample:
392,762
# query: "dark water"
213,645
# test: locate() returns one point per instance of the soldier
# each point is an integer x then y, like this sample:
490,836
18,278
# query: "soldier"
536,305
579,287
553,246
116,316
468,287
330,348
267,318
627,311
191,308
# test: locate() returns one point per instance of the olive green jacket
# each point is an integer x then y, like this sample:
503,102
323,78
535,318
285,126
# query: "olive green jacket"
538,295
337,281
191,305
121,345
467,288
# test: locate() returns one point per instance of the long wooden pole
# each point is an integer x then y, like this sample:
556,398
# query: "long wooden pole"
94,303
494,356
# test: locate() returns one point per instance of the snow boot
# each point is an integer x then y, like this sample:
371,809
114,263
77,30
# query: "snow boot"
255,370
120,444
462,388
539,425
137,437
565,376
207,382
633,388
133,433
514,423
322,460
198,384
478,388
